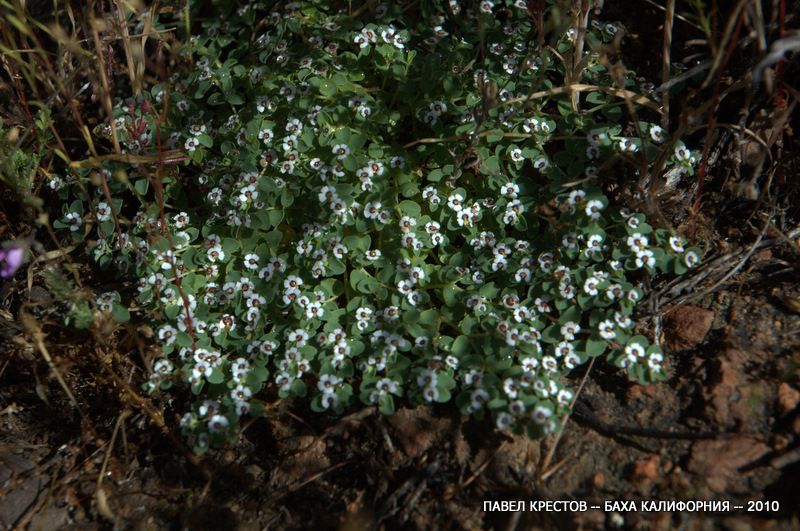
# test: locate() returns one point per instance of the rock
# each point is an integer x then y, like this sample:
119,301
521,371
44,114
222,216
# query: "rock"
645,471
728,395
719,461
685,327
788,398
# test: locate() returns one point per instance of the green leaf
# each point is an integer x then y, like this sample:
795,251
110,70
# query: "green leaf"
234,98
450,295
326,88
141,186
460,346
595,347
410,208
428,317
491,165
363,282
216,376
386,404
121,313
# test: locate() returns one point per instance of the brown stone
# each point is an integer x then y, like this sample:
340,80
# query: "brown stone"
728,394
645,471
788,398
685,327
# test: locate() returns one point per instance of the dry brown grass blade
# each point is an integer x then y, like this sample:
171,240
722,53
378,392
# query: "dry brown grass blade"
134,54
581,87
545,468
165,157
100,494
37,335
669,19
727,34
574,73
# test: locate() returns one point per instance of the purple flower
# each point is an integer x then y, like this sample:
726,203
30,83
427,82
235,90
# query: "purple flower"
10,260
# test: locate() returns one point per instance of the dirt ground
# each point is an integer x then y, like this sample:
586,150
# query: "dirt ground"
724,427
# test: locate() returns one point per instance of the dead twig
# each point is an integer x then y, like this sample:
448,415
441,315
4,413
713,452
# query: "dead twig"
544,467
35,331
669,19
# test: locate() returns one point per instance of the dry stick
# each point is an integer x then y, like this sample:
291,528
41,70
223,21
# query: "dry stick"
158,186
582,87
480,469
298,486
734,21
730,273
577,58
100,493
106,98
38,337
677,15
126,43
168,156
551,452
669,19
106,95
155,416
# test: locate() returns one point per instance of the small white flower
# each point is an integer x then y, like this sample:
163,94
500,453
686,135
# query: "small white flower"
438,108
606,329
676,243
593,208
540,414
569,329
341,151
628,145
218,423
74,221
645,259
682,154
215,254
654,361
181,220
576,197
590,286
103,211
635,350
691,259
564,348
637,242
455,202
504,419
657,134
167,334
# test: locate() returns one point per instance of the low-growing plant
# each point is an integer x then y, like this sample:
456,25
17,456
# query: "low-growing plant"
382,203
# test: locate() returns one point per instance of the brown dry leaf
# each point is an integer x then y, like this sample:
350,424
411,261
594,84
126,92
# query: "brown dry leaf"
685,327
719,461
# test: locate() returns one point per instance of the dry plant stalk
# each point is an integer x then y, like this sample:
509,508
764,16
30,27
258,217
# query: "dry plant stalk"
669,19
